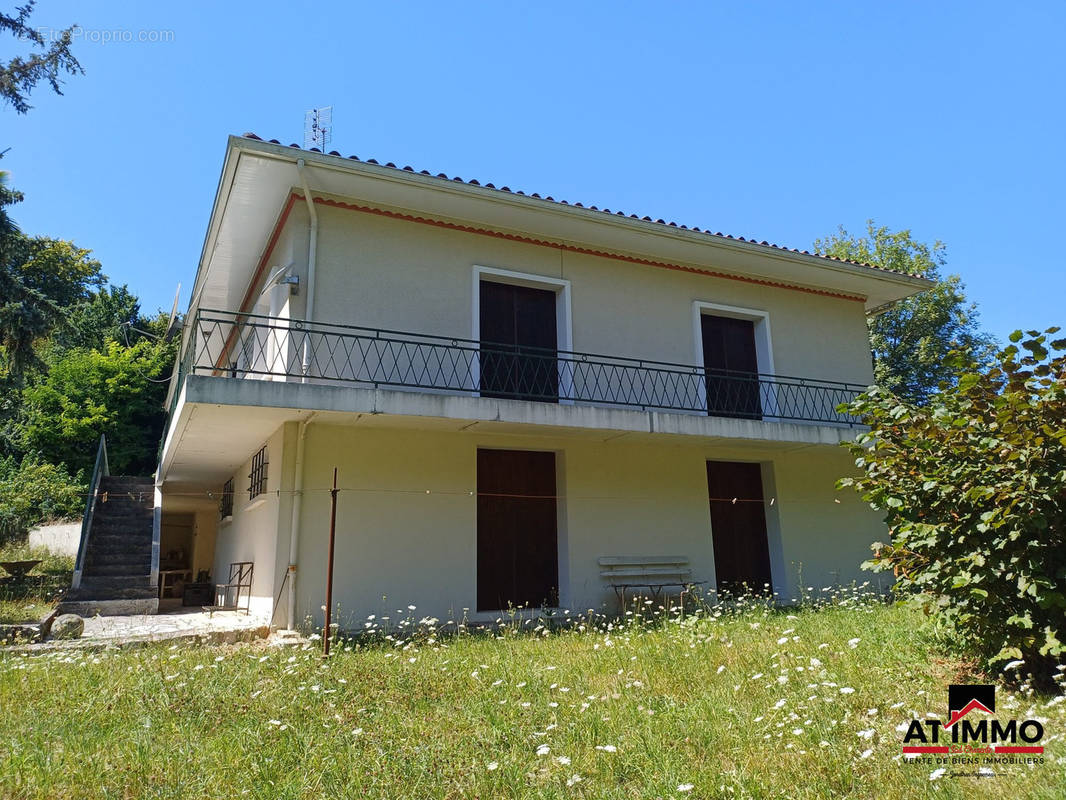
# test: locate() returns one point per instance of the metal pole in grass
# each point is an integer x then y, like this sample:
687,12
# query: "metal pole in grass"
329,563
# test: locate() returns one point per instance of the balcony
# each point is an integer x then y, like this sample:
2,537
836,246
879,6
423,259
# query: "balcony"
254,347
242,376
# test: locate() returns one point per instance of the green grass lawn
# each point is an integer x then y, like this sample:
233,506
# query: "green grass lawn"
752,704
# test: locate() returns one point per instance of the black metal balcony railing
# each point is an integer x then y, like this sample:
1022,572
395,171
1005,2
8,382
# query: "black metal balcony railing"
252,346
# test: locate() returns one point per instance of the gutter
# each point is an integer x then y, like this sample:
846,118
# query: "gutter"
312,254
298,477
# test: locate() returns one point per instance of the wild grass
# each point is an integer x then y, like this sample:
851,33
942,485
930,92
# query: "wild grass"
727,703
19,610
33,597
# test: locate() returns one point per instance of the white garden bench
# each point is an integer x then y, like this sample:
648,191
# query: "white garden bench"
654,573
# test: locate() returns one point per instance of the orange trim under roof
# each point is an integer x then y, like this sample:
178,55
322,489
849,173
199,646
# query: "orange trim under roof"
264,259
572,248
515,237
534,195
271,242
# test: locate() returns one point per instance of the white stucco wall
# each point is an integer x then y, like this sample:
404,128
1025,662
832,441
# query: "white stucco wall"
251,534
826,533
380,272
406,529
407,525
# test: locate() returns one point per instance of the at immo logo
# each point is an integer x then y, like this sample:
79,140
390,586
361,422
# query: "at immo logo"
970,729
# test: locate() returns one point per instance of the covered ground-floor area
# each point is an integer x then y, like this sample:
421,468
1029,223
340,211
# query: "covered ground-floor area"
440,519
188,527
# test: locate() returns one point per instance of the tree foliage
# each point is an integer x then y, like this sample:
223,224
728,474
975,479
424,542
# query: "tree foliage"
32,490
912,340
51,57
46,286
25,314
117,391
973,486
112,313
57,269
77,358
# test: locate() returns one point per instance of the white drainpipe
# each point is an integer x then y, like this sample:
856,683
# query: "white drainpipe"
294,538
312,251
298,478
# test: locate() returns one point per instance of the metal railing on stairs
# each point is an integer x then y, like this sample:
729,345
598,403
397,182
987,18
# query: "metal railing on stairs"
100,470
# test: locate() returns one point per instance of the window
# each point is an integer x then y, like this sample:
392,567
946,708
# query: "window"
257,478
225,506
731,366
522,322
733,345
518,342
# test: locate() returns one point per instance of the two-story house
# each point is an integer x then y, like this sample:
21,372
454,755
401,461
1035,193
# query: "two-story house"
523,398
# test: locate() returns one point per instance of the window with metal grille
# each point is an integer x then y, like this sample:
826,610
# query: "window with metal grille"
225,506
257,478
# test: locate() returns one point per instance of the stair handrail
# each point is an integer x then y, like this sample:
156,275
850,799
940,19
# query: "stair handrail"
100,470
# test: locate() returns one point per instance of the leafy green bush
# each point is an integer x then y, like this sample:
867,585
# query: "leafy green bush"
973,485
118,391
33,491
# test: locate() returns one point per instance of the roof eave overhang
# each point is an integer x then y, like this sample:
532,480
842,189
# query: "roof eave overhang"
390,187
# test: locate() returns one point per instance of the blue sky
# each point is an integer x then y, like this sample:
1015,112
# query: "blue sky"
776,120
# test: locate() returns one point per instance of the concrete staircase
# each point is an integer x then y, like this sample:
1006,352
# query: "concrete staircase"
116,575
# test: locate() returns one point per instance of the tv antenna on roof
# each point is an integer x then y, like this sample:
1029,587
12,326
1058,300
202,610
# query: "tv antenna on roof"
318,128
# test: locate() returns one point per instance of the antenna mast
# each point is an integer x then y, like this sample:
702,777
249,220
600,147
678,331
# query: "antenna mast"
318,128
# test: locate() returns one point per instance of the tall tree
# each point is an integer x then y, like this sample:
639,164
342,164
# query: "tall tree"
26,314
912,340
8,197
50,57
57,269
45,286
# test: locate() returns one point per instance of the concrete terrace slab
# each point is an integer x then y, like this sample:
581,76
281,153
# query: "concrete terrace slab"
168,625
242,413
222,627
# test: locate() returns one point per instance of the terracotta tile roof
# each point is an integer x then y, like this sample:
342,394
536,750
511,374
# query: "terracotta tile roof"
550,199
